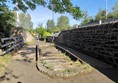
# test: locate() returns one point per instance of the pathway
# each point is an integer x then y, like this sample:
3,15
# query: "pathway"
22,69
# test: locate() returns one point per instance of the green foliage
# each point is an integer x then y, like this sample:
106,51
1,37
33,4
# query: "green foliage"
42,32
46,34
24,5
50,30
4,60
101,15
31,31
24,20
87,20
52,45
115,8
60,6
56,29
50,24
114,13
6,20
29,43
63,22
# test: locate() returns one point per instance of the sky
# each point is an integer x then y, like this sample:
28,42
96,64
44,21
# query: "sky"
42,14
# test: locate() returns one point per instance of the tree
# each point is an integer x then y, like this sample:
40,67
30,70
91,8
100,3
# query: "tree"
115,8
50,30
31,31
63,22
60,6
75,26
40,25
42,32
50,24
101,15
56,29
87,20
24,20
6,19
114,13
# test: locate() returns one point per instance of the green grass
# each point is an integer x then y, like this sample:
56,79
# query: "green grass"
47,65
67,70
4,60
29,43
52,45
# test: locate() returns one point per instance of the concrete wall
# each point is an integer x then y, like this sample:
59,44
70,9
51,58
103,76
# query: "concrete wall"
99,41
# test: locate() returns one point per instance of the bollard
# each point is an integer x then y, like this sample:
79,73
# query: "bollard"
37,53
37,56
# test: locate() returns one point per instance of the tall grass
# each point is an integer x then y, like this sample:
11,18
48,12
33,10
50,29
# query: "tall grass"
4,60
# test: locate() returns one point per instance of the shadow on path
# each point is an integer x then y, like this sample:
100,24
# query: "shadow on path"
27,51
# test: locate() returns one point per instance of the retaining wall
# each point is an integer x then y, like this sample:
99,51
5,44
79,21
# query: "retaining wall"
99,41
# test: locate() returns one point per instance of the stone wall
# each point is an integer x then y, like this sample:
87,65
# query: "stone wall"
99,41
19,31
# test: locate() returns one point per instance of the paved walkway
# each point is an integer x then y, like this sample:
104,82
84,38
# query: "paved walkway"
22,69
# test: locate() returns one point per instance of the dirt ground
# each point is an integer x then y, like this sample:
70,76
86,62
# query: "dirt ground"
22,69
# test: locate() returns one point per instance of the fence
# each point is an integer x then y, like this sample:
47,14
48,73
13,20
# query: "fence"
11,43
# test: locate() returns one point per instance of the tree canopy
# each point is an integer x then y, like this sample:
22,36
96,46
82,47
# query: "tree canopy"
101,15
59,6
25,20
63,23
86,19
114,13
50,24
6,19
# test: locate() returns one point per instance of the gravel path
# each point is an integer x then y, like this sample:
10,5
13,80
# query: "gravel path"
22,69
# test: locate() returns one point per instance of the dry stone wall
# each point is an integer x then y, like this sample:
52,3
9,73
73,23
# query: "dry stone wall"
99,41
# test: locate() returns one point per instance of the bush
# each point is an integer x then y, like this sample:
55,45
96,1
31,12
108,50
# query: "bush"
46,34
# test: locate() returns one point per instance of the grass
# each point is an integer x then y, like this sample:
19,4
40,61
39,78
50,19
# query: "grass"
66,70
29,43
52,45
47,65
74,66
4,60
